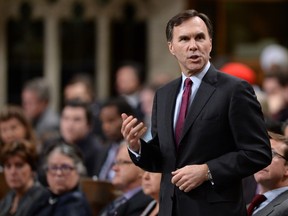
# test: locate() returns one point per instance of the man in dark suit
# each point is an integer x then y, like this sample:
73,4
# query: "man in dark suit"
127,179
273,180
223,139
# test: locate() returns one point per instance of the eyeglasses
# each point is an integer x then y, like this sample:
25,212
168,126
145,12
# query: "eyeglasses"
64,168
122,162
274,154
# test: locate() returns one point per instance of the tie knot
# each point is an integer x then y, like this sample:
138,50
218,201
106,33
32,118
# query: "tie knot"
187,82
258,198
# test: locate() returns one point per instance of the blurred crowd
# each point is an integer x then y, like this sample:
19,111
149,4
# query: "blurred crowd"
45,154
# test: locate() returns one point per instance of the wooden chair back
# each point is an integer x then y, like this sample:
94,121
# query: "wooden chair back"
98,193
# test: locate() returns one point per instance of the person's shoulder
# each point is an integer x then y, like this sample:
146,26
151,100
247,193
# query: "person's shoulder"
172,84
232,82
74,203
279,205
38,190
283,197
143,198
73,197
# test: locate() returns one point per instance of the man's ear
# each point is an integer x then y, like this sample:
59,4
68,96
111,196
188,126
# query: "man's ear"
286,169
210,44
171,49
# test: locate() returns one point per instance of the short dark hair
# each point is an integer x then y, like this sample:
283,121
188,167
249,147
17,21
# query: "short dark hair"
120,104
86,106
86,80
137,67
182,17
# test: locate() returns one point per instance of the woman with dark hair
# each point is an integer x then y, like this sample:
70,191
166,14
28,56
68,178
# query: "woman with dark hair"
64,166
15,126
19,164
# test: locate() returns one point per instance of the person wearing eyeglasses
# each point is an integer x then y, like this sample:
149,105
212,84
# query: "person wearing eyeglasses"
127,179
273,180
64,167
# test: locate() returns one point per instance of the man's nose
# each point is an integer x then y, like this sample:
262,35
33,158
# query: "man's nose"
192,44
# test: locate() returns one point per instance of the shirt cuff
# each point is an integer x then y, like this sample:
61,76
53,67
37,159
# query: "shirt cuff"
137,154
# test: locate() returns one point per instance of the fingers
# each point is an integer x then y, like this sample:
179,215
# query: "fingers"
176,178
137,131
179,182
186,178
132,131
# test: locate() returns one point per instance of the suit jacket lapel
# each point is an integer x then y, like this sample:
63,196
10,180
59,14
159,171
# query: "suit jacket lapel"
204,93
170,107
267,210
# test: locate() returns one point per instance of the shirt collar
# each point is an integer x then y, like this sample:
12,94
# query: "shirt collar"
131,193
197,78
270,195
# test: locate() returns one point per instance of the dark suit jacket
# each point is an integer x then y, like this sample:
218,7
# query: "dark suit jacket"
277,207
224,128
26,203
132,207
72,203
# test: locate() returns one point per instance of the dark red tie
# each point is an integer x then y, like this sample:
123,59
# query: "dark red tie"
183,109
257,200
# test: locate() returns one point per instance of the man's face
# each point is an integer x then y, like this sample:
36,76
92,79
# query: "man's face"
275,94
111,123
273,175
77,91
73,124
127,175
127,81
191,45
32,105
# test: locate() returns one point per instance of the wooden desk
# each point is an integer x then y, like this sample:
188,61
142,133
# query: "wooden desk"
98,193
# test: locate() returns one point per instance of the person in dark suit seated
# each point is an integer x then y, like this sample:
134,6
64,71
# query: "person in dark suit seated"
273,181
64,167
19,165
151,186
127,179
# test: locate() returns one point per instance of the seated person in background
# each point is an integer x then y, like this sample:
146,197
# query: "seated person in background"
128,84
35,97
76,129
15,126
64,166
80,87
127,179
19,163
111,122
273,181
151,187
